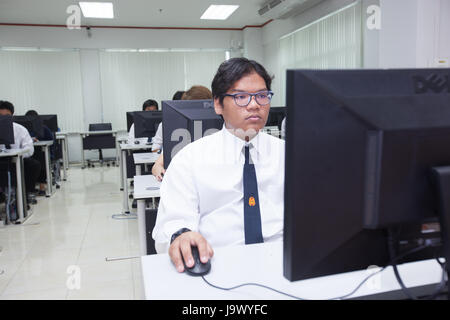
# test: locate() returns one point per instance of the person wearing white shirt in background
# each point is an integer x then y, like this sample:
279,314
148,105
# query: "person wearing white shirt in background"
202,194
23,140
149,105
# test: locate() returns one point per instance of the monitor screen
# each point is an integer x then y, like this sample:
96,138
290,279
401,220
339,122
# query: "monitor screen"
6,130
50,120
34,125
360,146
146,123
185,121
276,116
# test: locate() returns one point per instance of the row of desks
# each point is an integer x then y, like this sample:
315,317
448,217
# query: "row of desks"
17,158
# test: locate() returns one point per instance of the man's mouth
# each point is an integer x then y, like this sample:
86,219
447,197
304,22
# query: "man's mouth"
253,117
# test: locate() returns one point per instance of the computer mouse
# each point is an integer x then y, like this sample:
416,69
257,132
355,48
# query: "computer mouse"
199,268
136,142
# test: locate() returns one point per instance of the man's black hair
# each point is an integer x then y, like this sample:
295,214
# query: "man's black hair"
177,95
6,105
149,103
32,113
233,70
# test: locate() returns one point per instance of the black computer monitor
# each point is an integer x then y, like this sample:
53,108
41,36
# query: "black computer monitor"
34,125
197,118
359,188
276,116
130,119
146,123
50,120
6,131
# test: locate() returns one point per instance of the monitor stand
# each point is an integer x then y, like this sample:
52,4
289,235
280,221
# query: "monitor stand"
442,182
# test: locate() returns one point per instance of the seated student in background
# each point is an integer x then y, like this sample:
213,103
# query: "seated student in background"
22,140
194,93
178,95
149,105
226,188
39,154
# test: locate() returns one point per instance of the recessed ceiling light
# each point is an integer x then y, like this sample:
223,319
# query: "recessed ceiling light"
218,12
102,10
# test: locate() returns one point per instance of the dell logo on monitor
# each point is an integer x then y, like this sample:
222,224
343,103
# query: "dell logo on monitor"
208,104
435,83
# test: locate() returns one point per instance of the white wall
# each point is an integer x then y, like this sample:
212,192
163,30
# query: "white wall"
414,33
116,38
253,48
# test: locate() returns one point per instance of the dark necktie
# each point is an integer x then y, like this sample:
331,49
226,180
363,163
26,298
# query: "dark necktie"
252,215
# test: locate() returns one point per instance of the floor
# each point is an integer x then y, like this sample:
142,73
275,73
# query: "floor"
60,251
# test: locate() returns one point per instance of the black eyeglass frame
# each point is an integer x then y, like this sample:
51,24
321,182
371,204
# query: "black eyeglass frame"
250,95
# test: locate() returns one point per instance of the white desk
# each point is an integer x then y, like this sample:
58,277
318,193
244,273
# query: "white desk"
124,148
263,264
145,187
143,159
17,155
45,145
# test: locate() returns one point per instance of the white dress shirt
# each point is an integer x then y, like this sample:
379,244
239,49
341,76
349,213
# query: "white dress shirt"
131,134
202,190
22,140
157,141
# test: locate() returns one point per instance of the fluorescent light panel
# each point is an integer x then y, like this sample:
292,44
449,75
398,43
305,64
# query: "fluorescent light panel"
102,10
218,12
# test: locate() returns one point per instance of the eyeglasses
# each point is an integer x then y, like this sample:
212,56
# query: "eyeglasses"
242,99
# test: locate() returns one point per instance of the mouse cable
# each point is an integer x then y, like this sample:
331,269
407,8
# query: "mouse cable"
287,294
251,284
337,298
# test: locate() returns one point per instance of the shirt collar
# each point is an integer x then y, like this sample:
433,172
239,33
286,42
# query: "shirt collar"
237,144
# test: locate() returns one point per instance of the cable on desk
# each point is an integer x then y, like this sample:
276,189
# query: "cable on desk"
406,291
251,284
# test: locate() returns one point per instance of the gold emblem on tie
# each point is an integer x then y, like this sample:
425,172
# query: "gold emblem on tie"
251,202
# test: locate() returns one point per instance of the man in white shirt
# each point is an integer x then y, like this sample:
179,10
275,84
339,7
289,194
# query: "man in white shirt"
22,140
204,199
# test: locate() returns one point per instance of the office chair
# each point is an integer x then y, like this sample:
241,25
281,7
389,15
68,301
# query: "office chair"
99,142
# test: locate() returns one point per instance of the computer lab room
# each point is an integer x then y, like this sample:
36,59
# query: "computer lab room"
235,150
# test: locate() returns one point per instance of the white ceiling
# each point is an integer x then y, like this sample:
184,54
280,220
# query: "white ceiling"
141,13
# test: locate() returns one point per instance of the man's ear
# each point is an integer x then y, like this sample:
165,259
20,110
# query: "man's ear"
217,106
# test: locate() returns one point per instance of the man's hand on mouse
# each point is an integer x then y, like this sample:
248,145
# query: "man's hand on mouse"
181,246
